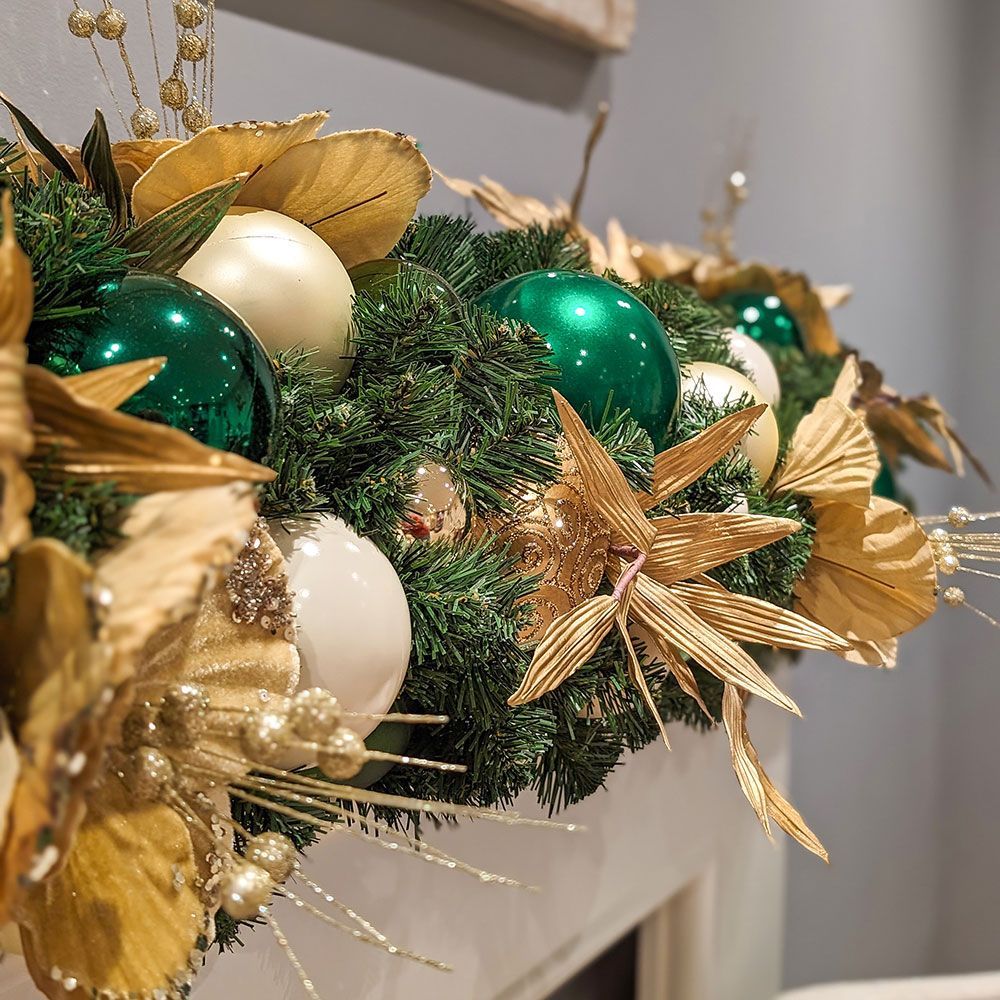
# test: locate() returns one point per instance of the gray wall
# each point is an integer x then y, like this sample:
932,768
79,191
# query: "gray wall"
874,161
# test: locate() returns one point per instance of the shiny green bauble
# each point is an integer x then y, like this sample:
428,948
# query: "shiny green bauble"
388,737
885,482
218,383
763,316
374,276
607,345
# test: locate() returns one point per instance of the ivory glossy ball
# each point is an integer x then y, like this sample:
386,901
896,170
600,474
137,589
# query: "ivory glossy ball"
760,367
288,285
352,614
725,386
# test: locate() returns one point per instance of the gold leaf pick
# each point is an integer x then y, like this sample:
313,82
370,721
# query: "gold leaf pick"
76,439
635,667
570,641
606,489
667,617
681,465
747,774
748,619
109,387
848,381
832,456
873,653
687,544
513,211
871,575
17,494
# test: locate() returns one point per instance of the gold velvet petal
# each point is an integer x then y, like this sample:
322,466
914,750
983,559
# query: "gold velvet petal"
110,387
668,618
687,544
832,456
126,914
356,190
570,641
871,575
216,154
78,440
748,619
681,465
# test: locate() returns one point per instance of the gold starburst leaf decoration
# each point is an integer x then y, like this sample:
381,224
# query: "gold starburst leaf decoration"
356,190
676,610
871,575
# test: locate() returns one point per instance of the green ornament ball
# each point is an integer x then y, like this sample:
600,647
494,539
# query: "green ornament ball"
218,383
885,482
389,737
373,276
607,345
763,316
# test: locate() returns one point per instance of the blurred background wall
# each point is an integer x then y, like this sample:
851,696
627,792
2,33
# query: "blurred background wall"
875,160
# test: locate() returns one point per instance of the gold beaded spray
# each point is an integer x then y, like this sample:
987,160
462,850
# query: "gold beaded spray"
187,94
955,549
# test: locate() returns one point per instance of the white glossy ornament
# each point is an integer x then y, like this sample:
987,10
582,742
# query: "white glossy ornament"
758,363
436,510
283,280
352,616
725,386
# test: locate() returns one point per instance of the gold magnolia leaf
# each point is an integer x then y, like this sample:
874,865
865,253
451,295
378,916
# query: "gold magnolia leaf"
215,154
635,667
128,857
76,439
832,296
668,618
175,548
832,456
749,619
620,258
873,654
131,157
570,641
17,494
674,664
900,432
110,387
355,190
606,489
871,575
747,773
848,381
681,465
687,544
513,211
58,687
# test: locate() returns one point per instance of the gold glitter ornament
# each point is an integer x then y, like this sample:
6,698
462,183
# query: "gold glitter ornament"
556,537
183,716
111,24
315,715
275,853
174,93
265,734
82,23
244,889
954,597
145,123
191,47
148,773
189,13
344,756
196,117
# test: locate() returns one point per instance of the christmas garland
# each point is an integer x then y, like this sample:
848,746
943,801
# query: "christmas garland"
527,499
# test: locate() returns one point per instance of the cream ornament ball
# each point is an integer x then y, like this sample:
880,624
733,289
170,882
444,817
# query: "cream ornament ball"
758,363
725,386
352,616
280,277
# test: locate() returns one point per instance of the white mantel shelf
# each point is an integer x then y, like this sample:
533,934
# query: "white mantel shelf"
671,845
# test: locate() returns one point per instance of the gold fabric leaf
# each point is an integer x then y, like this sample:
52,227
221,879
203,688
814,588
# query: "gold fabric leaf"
556,538
620,258
216,154
513,211
9,770
748,775
110,387
126,914
669,619
572,639
749,619
77,440
873,654
832,296
674,664
635,667
175,547
58,688
687,544
17,494
848,381
681,465
132,158
607,492
871,575
355,190
832,456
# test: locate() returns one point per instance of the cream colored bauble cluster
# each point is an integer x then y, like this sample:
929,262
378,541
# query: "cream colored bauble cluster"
760,368
280,277
352,616
725,386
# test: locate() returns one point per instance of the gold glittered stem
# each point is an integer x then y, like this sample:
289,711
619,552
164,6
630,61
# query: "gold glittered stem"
293,960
